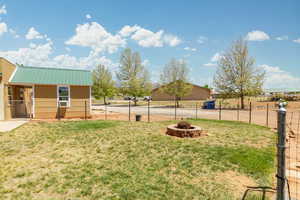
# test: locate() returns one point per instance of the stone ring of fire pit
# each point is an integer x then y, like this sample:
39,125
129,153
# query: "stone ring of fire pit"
194,131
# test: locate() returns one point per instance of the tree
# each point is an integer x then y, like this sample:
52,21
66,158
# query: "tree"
206,86
236,75
174,79
133,78
103,84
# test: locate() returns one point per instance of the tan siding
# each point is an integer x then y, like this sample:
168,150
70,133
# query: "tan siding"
46,102
7,70
197,93
80,100
2,108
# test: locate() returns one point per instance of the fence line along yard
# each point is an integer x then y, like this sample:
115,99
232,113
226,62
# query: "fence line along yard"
293,153
266,115
256,113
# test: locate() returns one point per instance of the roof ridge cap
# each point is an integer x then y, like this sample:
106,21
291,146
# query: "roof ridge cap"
56,68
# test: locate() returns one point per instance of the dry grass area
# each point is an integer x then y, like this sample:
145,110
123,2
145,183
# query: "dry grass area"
133,160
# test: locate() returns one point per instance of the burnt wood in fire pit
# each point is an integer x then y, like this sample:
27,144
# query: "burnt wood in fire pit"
193,131
184,125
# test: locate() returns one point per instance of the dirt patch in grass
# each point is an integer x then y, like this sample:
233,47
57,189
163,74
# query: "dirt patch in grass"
236,181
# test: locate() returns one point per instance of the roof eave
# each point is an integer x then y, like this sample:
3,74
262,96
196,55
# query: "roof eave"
29,83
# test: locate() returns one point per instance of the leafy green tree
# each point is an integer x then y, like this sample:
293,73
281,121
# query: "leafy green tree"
206,86
103,83
174,79
236,75
134,79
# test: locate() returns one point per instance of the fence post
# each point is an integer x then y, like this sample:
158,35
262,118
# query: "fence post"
105,105
129,105
196,111
175,110
238,112
148,110
267,120
220,110
281,123
298,124
250,112
84,110
58,111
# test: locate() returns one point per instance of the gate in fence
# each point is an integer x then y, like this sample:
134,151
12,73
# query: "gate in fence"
293,153
288,161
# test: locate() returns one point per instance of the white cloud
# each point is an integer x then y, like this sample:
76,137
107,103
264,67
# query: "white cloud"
89,61
3,28
278,78
32,55
216,57
14,33
41,55
186,56
257,36
34,34
146,62
95,36
202,39
297,40
3,10
284,37
148,38
128,30
88,16
270,69
190,49
172,40
210,64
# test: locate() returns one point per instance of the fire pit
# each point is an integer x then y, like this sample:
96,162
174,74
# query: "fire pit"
184,129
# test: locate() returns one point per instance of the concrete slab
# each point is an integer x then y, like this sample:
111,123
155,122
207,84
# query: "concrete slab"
6,126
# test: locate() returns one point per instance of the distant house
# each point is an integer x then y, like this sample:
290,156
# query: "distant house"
197,93
41,92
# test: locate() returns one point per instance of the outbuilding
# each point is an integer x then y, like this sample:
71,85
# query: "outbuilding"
197,93
43,92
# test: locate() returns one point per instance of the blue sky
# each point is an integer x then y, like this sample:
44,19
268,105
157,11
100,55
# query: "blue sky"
82,34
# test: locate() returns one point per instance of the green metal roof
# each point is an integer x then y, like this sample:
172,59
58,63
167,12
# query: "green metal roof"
52,76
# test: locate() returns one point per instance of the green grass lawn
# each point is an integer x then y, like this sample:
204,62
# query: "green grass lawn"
122,160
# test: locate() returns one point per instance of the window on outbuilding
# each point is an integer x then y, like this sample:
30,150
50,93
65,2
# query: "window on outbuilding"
63,96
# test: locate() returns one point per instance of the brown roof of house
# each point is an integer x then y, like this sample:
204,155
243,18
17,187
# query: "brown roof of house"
189,83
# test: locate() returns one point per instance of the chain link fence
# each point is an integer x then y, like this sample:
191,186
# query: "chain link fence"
156,111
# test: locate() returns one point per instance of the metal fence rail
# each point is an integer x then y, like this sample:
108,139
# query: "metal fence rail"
152,111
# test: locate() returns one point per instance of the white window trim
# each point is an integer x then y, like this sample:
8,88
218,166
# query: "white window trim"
69,95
